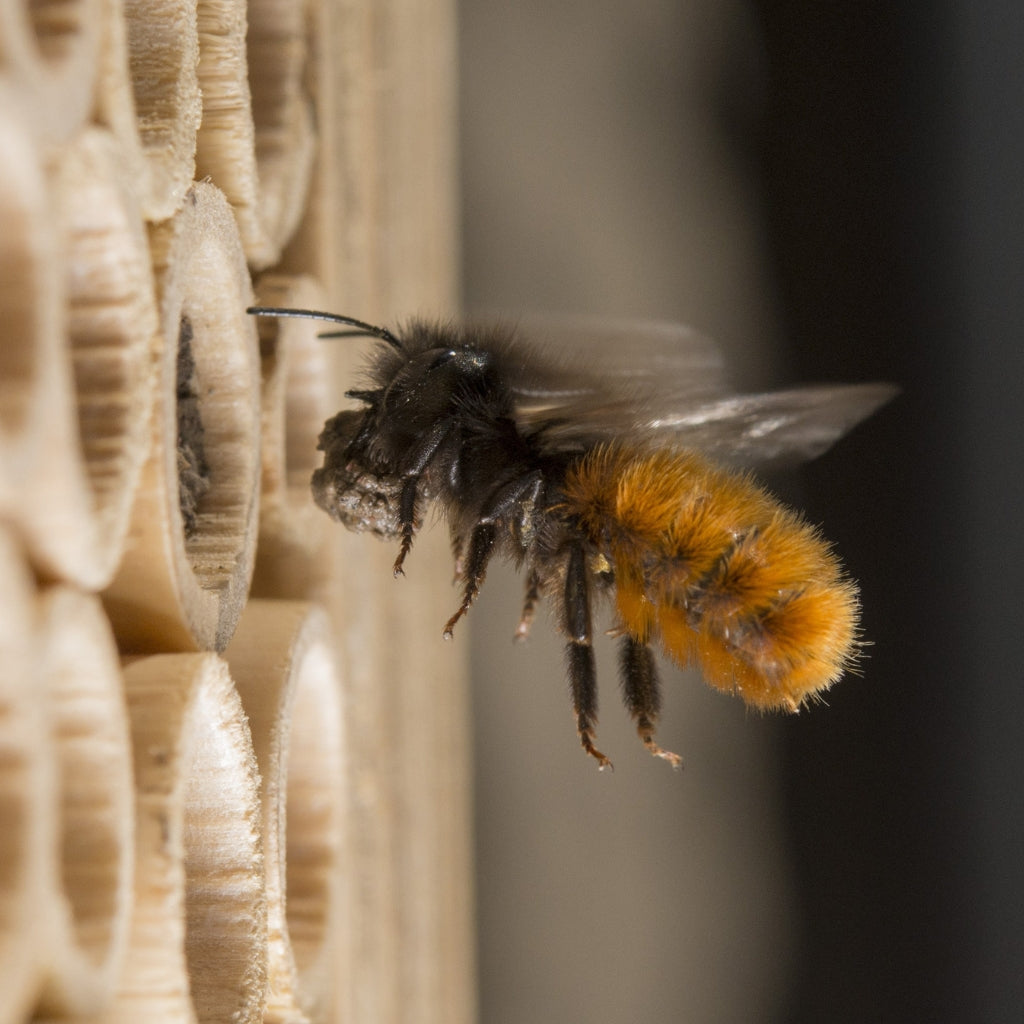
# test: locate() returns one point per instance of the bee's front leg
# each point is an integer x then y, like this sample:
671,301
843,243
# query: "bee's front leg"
411,470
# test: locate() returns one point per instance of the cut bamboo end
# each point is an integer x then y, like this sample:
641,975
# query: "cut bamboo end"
291,557
26,785
189,559
200,906
319,235
112,328
29,292
283,666
51,53
88,906
278,47
255,143
47,491
162,59
115,108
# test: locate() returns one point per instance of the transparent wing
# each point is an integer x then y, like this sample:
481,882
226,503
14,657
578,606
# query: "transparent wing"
635,355
576,377
580,381
776,427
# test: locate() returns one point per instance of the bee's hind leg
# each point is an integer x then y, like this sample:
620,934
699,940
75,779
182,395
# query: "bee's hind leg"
641,693
580,653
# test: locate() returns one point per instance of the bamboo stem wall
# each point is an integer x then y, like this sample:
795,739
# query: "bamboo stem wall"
234,759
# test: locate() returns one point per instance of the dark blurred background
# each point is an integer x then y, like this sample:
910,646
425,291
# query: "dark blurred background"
835,192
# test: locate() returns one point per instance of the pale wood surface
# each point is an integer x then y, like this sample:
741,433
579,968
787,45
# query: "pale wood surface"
395,229
44,478
162,57
112,328
198,941
298,394
89,864
174,592
50,55
27,812
365,769
283,666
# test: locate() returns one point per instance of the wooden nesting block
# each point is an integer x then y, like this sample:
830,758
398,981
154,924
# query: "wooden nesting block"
50,55
27,810
112,328
256,138
155,72
198,938
44,485
283,665
298,396
189,558
280,45
87,905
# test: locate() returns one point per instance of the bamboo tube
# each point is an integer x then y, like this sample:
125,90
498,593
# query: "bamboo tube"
90,861
407,701
429,683
47,491
381,232
313,246
282,662
115,110
198,946
278,46
112,327
29,294
155,72
256,144
50,51
291,555
27,824
189,558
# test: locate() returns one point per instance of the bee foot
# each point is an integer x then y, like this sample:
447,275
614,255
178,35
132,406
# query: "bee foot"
603,762
673,759
649,742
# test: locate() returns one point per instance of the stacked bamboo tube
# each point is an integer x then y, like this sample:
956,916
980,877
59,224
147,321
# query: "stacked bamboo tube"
226,792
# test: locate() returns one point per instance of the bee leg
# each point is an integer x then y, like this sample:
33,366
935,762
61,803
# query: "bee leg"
407,521
641,694
580,653
515,498
411,469
481,546
458,553
529,605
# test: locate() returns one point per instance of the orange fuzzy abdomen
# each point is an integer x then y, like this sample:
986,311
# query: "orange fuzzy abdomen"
718,571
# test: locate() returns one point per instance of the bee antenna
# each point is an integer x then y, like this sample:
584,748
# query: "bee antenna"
361,328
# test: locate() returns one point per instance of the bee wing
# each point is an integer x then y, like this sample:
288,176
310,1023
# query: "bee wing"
581,365
583,380
776,427
630,354
589,380
580,379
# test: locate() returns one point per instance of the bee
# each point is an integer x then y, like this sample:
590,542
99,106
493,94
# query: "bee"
617,484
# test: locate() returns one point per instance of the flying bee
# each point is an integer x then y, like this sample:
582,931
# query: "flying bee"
616,484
